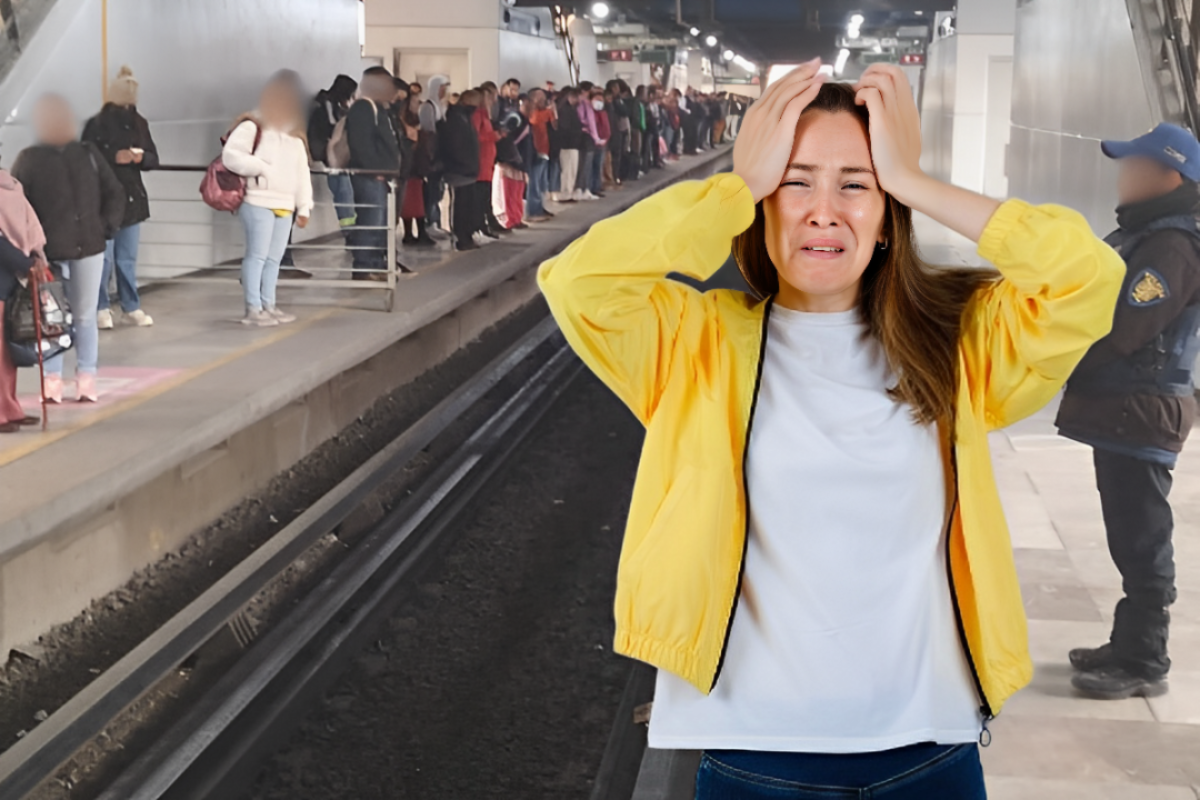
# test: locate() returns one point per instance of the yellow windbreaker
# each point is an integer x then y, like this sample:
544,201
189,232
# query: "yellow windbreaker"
687,364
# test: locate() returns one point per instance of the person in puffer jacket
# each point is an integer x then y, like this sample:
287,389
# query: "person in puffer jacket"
81,205
267,147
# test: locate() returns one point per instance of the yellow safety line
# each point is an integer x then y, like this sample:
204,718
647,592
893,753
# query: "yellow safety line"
104,50
8,456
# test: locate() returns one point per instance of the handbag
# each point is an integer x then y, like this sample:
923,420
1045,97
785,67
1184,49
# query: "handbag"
221,188
47,329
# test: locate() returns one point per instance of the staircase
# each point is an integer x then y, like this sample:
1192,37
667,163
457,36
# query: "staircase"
19,21
1166,34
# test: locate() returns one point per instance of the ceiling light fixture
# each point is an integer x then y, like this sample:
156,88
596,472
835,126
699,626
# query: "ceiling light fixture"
710,40
695,31
728,55
600,10
745,63
855,27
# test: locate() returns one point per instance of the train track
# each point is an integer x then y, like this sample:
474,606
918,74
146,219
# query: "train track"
212,748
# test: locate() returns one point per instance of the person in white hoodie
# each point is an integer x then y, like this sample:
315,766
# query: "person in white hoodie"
267,147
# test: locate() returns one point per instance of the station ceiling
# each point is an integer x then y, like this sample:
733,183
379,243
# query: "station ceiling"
767,31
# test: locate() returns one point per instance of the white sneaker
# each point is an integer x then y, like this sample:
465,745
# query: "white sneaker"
104,319
480,239
139,318
258,318
587,195
282,316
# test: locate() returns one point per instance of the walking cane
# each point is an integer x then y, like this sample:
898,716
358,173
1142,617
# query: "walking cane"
35,289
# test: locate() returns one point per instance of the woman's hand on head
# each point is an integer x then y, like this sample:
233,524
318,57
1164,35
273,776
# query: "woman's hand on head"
895,127
764,142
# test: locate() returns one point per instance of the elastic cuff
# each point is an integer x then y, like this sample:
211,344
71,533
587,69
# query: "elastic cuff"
1002,223
736,199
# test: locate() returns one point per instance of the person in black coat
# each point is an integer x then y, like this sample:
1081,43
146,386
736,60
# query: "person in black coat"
81,205
458,143
331,106
123,136
374,146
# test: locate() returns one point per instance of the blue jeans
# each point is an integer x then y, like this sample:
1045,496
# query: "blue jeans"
536,189
82,277
266,239
343,198
433,200
596,180
917,772
122,250
583,178
371,244
554,176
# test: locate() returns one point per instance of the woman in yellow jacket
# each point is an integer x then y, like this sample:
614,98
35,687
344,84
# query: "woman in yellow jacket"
816,557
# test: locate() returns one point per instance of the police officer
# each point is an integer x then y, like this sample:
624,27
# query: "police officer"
1132,400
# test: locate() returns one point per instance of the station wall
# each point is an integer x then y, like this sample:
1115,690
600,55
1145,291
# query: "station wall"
1077,80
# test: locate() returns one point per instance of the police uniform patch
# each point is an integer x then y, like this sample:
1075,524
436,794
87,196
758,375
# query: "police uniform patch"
1148,289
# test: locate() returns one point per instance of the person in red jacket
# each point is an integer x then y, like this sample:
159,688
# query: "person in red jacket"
485,221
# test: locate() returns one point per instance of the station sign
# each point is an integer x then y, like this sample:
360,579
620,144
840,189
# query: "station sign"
912,59
616,55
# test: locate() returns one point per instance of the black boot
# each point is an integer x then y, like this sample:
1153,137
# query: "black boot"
1117,683
1089,659
408,236
423,239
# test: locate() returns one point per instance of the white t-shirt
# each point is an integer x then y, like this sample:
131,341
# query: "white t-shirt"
845,637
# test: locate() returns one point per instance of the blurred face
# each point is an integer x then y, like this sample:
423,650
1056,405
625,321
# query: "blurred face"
53,122
538,98
414,89
278,106
1142,178
826,217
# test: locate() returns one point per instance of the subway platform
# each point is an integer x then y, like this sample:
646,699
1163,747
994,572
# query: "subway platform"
199,412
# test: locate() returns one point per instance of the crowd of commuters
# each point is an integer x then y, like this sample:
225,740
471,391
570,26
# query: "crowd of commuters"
499,152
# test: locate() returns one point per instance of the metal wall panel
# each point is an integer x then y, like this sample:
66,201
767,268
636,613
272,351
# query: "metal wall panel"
1076,81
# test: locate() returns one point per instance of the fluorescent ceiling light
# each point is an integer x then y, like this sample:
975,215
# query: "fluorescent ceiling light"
728,55
745,63
710,40
600,10
826,69
695,31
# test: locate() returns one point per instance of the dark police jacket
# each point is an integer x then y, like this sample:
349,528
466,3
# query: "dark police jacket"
1133,392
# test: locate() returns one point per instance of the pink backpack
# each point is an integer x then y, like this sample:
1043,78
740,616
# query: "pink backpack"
222,189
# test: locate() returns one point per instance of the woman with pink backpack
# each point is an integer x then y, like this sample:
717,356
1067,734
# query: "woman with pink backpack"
267,147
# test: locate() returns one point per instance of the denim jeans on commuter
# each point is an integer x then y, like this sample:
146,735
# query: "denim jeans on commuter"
918,772
266,240
369,237
82,277
122,250
583,178
596,182
434,188
343,198
554,176
536,189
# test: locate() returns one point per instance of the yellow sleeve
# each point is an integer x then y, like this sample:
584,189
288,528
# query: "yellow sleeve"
609,289
1023,335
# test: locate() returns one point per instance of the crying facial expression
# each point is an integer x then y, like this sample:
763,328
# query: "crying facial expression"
826,218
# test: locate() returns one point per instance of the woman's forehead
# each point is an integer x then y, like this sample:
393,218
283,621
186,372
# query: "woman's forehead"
834,140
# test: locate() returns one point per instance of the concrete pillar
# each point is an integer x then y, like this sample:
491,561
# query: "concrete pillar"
968,98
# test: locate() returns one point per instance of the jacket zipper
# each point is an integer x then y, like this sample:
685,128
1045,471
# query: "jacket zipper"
762,349
985,707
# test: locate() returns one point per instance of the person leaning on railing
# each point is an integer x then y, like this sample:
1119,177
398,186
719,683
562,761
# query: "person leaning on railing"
816,557
373,146
267,148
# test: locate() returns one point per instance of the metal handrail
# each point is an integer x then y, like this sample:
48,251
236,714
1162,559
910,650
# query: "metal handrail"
219,272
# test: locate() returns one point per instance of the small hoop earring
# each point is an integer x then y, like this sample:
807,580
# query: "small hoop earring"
883,245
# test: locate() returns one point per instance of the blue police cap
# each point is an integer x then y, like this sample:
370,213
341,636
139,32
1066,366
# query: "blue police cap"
1168,144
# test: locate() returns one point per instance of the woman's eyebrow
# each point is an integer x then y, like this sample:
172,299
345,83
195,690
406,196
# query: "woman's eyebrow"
815,168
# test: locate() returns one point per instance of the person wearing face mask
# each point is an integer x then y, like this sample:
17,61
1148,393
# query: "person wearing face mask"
123,136
816,558
1133,400
267,148
603,134
588,152
81,205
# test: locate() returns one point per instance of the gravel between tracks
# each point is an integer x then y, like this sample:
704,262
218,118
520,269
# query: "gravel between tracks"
497,677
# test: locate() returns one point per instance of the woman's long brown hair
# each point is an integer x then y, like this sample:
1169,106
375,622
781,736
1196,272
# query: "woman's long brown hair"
914,310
